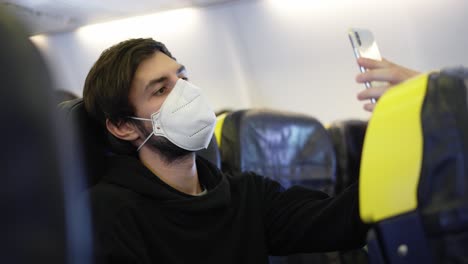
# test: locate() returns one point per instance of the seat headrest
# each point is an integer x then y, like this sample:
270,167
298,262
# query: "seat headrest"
293,149
92,136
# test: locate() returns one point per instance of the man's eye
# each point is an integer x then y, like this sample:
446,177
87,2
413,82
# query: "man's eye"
184,78
160,91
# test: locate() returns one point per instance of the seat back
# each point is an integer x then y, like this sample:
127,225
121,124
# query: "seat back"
291,148
97,146
44,218
348,138
414,173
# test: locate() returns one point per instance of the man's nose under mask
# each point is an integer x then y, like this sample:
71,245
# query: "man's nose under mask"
185,118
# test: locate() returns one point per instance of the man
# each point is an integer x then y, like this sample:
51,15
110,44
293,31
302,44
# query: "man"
165,205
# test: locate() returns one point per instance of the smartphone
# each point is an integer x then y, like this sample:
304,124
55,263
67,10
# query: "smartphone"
364,45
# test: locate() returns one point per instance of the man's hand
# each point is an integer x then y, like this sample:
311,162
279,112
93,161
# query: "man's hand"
384,71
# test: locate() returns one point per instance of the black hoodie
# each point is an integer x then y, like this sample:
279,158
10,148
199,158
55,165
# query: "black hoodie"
241,219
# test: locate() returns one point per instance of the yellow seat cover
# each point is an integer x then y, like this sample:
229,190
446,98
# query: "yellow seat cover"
393,152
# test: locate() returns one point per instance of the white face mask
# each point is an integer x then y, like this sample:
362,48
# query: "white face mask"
185,118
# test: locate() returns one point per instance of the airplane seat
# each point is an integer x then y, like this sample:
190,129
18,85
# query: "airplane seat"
290,148
347,137
219,127
97,146
414,171
44,219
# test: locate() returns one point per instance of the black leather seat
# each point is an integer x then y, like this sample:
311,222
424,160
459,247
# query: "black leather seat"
291,148
348,138
94,141
96,146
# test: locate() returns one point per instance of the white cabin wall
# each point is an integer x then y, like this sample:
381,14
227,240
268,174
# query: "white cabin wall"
299,56
198,38
291,55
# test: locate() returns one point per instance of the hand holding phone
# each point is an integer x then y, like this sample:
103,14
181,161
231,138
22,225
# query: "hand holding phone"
364,45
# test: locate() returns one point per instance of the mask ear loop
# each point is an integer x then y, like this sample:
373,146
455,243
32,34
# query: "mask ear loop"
149,136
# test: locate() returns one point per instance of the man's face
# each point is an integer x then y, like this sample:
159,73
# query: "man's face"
154,79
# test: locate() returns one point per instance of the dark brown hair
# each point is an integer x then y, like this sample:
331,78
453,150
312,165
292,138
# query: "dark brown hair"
107,85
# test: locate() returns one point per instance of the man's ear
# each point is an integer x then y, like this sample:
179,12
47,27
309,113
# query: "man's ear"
123,130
